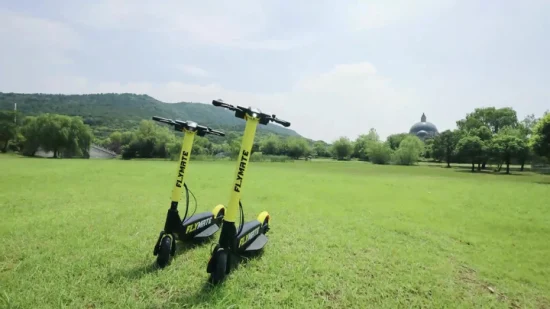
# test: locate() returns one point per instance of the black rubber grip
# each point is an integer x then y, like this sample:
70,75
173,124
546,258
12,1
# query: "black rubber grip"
156,118
220,133
217,103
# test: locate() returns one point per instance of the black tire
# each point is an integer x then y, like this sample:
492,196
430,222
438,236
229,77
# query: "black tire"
163,256
219,217
265,226
220,267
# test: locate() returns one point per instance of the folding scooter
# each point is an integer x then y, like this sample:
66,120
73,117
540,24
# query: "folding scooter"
250,236
197,226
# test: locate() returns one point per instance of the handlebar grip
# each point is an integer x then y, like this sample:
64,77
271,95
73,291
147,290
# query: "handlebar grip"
163,120
284,123
156,118
217,103
215,132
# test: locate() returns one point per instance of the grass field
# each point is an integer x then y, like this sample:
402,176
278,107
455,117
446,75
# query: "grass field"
80,234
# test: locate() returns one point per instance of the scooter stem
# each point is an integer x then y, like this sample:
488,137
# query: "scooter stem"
185,154
243,159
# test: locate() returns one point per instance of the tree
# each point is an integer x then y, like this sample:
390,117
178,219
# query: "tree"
395,139
342,148
470,147
362,143
444,146
505,147
540,139
494,119
379,153
8,129
297,147
321,149
428,148
63,135
409,151
115,142
271,145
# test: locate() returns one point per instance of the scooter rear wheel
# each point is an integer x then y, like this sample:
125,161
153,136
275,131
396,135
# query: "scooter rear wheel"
165,247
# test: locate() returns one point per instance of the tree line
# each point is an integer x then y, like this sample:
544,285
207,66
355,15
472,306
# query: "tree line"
487,135
69,136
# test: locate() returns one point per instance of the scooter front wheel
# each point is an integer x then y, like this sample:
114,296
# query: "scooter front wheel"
165,247
218,267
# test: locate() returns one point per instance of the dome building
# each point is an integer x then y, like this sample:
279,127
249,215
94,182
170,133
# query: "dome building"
424,129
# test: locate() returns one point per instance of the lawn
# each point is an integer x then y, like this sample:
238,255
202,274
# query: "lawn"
80,234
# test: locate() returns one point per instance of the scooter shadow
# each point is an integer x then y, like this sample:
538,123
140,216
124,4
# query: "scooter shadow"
209,293
143,270
238,261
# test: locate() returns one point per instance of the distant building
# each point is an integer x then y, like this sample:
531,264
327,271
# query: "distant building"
424,129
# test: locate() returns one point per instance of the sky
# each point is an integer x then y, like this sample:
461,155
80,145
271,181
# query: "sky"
331,68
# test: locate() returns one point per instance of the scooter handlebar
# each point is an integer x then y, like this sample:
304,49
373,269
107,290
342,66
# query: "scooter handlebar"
220,103
215,132
265,118
163,120
284,123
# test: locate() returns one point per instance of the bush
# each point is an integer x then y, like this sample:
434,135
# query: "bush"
379,153
409,151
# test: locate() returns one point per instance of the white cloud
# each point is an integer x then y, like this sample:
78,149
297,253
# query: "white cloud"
236,24
194,71
366,15
350,97
38,39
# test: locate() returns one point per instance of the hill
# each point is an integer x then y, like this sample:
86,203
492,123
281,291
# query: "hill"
110,112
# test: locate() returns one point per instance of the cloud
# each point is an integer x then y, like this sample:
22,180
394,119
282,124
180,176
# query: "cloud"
350,97
367,15
194,71
33,48
235,24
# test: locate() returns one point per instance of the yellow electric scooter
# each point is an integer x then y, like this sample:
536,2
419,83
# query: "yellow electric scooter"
197,226
250,236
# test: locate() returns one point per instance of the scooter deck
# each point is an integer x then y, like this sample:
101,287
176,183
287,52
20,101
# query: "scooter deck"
211,230
257,244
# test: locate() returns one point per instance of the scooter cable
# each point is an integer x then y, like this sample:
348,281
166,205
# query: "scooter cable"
194,198
242,218
186,201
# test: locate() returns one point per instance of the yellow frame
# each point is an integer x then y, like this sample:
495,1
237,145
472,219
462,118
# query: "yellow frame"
185,154
232,210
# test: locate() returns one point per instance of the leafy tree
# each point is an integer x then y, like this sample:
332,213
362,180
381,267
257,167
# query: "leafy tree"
297,147
379,153
471,147
395,140
63,135
321,149
362,143
540,139
342,148
115,142
445,145
271,145
494,119
409,151
428,148
505,147
8,129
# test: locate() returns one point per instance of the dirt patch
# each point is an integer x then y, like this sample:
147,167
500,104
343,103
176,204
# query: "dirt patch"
469,276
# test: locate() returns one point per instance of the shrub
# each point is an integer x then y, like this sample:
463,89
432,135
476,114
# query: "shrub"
379,153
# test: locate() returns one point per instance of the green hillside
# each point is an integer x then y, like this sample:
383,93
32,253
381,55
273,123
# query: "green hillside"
106,113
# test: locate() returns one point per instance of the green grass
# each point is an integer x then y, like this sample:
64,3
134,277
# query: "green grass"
80,234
